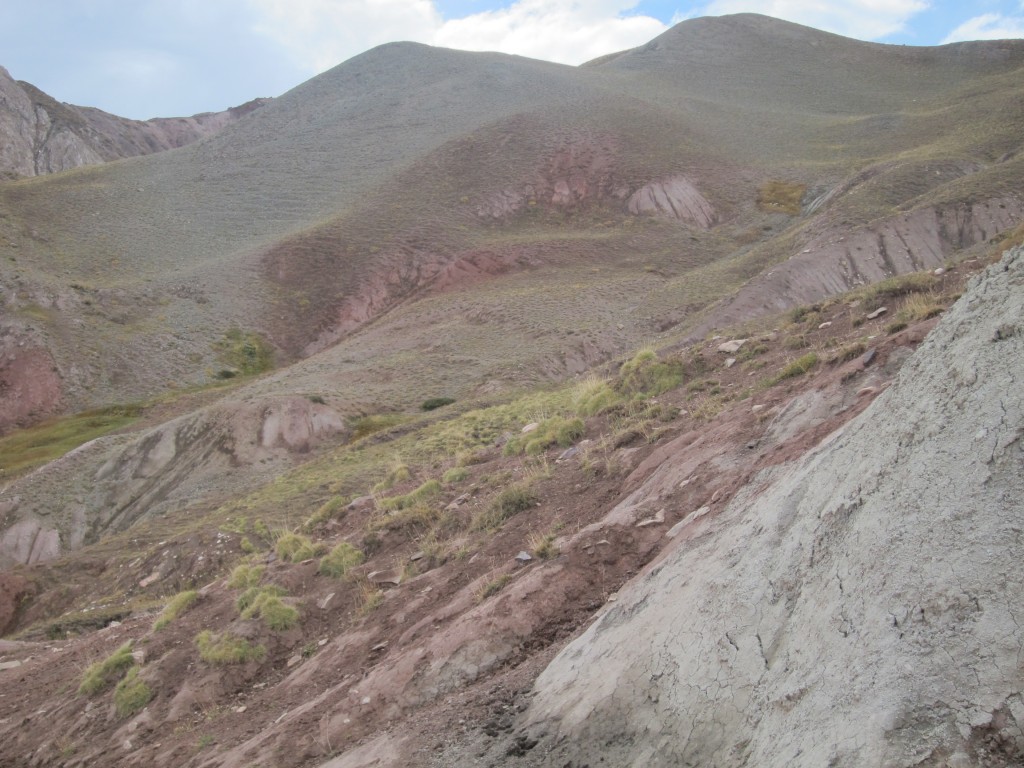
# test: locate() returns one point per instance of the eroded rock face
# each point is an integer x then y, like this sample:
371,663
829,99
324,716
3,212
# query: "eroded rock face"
113,481
864,609
676,198
30,385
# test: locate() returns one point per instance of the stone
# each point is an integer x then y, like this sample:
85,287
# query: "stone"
294,660
392,576
864,391
139,656
731,347
360,503
417,556
757,408
868,357
730,362
877,313
149,580
524,557
529,428
13,664
826,324
657,519
568,453
322,605
240,709
457,502
939,271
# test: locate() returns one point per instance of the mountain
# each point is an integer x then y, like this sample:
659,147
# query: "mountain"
302,390
42,135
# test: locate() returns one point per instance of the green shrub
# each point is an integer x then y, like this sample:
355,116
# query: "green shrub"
245,576
247,598
509,502
104,673
227,649
436,402
797,367
410,519
594,396
324,513
426,491
554,431
455,475
248,352
177,606
647,376
131,694
294,548
340,559
276,614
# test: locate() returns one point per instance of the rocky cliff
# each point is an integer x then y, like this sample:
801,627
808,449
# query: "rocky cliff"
859,607
39,135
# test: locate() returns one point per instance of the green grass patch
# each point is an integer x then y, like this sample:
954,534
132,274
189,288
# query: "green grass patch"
324,513
875,295
436,402
226,648
340,559
426,491
509,502
776,196
296,547
103,674
26,449
180,603
368,425
245,576
595,396
455,475
557,430
646,375
267,604
795,368
131,694
247,353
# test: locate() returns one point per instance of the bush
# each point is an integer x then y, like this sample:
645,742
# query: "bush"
245,576
647,376
594,396
294,548
227,649
509,502
436,402
103,673
276,614
428,490
340,559
455,475
131,694
247,598
553,431
178,605
324,513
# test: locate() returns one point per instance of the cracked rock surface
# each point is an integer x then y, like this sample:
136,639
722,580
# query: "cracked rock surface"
864,609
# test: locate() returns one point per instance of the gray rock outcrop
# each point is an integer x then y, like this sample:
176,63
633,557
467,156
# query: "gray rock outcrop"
861,607
676,198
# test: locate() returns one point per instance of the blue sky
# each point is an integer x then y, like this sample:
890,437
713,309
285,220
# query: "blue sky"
147,58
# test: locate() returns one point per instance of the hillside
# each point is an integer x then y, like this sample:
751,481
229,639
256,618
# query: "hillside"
283,405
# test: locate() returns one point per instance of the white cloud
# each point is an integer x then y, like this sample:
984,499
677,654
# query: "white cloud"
988,26
321,33
566,31
862,19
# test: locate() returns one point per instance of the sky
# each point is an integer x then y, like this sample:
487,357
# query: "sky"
150,58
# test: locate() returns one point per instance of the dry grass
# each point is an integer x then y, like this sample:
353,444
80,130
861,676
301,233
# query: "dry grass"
781,197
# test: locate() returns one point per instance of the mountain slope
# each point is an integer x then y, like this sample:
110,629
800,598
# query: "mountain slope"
42,135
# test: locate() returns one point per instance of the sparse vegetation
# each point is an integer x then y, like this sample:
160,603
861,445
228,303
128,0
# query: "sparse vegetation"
246,352
370,599
131,694
509,502
554,431
227,649
542,545
455,475
776,196
177,606
276,614
795,368
296,547
594,396
103,674
252,594
645,375
436,402
245,576
424,492
340,559
325,512
493,587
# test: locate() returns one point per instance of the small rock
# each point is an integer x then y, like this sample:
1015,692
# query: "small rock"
322,642
939,271
417,556
363,502
716,496
524,557
127,744
139,656
529,428
1003,332
503,438
730,362
296,659
757,408
752,445
113,624
241,709
868,357
379,646
672,532
322,605
658,519
866,391
826,324
149,579
613,597
731,347
366,700
877,313
604,543
457,502
568,453
9,664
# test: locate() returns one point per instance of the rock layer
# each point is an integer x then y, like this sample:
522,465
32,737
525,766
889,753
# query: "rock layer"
865,609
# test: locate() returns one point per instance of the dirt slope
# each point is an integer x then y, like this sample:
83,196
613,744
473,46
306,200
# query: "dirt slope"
861,606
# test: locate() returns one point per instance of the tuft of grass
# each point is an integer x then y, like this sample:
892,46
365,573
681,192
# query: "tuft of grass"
245,351
295,547
103,674
434,403
554,431
276,614
920,306
227,649
594,396
339,560
542,545
426,491
365,426
645,375
324,513
493,587
455,475
848,352
370,599
873,296
776,196
509,502
131,694
252,594
26,449
245,576
180,603
409,519
795,368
